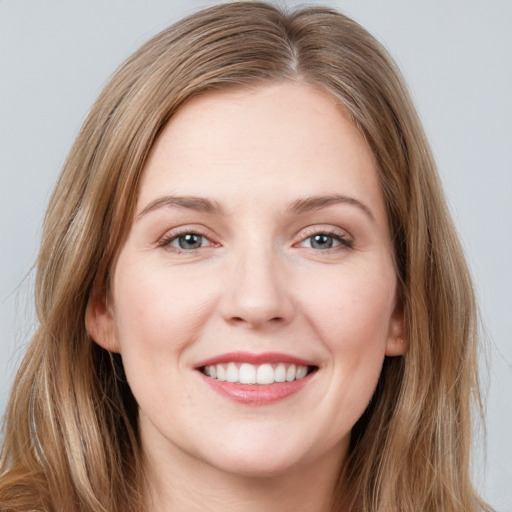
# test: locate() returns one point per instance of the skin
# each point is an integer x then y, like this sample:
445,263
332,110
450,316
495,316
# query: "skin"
258,283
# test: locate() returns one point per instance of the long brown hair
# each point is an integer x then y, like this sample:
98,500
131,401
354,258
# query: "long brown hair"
71,435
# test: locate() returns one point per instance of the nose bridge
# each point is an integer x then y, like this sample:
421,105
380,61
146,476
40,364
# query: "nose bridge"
257,292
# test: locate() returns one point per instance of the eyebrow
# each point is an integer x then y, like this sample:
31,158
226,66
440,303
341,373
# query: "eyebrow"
318,202
299,206
189,202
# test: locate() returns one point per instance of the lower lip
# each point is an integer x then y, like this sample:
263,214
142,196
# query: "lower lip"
257,394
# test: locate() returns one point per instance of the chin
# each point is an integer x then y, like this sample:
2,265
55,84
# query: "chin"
270,455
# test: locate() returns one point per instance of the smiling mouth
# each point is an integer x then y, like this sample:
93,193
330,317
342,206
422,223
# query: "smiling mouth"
263,374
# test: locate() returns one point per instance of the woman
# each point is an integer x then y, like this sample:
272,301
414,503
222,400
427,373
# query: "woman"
250,291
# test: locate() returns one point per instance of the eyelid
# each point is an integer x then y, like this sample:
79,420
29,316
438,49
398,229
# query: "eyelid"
172,234
343,236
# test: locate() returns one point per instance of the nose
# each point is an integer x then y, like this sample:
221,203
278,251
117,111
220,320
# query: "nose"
258,294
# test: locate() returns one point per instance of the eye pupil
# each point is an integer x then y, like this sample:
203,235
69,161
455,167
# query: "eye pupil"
321,241
190,241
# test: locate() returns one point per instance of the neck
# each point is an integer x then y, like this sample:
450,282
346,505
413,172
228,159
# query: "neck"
185,484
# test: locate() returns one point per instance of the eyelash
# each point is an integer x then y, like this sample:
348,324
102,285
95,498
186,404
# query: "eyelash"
345,242
166,241
341,237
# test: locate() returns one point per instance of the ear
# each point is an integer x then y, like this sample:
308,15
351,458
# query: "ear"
99,319
397,343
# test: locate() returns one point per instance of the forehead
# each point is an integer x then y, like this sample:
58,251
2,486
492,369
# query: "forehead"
284,140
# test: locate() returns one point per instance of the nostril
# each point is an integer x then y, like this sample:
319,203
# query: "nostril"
274,320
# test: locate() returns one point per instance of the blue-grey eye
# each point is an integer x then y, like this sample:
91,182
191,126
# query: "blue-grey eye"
322,241
189,241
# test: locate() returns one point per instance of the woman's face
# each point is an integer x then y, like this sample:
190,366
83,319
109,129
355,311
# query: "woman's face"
255,297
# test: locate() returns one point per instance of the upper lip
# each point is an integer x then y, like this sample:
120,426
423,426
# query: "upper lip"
256,359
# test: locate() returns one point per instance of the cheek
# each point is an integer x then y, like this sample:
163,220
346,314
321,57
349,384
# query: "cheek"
159,312
354,310
352,320
159,309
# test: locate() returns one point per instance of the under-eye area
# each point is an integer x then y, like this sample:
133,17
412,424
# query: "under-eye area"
263,374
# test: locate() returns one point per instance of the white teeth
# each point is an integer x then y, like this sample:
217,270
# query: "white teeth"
232,373
246,373
280,373
221,372
301,372
265,374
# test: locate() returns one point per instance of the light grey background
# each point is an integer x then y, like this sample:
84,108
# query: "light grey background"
456,55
